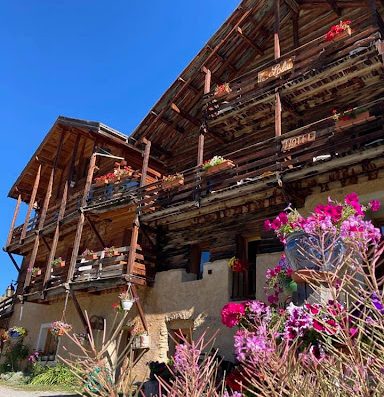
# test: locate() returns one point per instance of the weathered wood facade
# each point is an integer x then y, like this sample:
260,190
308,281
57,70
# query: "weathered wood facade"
284,83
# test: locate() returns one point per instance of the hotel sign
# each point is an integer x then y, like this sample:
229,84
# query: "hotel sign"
275,70
291,143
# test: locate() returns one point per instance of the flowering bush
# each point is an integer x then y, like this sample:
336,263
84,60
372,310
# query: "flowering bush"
232,313
345,219
278,280
59,328
216,160
16,332
33,357
343,26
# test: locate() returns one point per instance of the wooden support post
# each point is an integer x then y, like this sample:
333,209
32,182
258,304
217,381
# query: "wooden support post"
139,307
46,243
95,231
31,203
79,311
144,170
277,55
40,226
12,227
55,240
136,222
80,224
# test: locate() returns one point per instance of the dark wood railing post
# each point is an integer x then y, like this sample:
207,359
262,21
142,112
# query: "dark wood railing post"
277,55
31,203
207,89
80,224
12,227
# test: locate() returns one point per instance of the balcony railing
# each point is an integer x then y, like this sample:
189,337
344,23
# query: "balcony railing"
300,150
99,267
294,70
6,307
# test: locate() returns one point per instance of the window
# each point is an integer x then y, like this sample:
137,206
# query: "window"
200,255
47,343
178,332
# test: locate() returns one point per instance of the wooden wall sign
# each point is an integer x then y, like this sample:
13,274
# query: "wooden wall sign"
290,143
275,70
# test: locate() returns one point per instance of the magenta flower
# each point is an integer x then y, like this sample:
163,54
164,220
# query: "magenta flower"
374,205
232,313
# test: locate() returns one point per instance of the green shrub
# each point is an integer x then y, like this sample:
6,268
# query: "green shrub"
58,375
13,356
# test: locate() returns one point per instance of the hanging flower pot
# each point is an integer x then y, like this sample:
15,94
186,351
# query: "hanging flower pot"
300,246
237,265
142,341
89,255
126,298
59,328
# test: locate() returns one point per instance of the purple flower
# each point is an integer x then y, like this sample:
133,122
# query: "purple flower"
298,322
376,301
186,358
253,346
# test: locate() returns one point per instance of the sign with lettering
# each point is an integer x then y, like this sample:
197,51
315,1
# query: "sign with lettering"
291,143
275,70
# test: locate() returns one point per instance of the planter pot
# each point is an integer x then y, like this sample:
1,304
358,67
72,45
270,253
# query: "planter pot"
298,244
91,257
225,165
360,118
61,264
142,342
16,340
172,184
127,304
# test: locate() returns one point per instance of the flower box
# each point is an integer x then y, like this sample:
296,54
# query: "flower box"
225,165
222,89
172,182
347,121
111,252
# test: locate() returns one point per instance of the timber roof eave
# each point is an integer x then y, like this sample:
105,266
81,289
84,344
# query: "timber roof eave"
94,127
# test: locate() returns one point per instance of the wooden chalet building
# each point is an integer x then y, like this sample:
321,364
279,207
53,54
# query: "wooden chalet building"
296,111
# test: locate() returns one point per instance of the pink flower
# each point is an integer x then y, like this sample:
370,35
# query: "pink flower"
232,313
374,205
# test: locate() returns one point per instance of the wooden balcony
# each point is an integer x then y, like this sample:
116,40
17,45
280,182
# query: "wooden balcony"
317,148
306,78
100,272
6,307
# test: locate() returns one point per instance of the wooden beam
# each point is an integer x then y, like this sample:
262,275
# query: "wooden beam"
80,224
293,5
295,30
335,7
17,267
14,218
256,47
93,227
276,28
139,306
189,85
133,244
31,203
46,243
223,60
186,116
207,89
169,123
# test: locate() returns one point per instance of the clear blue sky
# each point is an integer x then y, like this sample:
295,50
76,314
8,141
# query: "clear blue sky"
100,60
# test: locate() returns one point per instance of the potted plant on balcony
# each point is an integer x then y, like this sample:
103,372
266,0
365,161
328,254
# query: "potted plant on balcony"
217,164
349,117
141,341
110,252
222,89
126,299
89,255
122,172
172,181
237,265
101,181
59,328
339,31
36,271
58,262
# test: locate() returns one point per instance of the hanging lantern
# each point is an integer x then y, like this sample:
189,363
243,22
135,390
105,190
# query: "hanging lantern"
126,298
10,291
